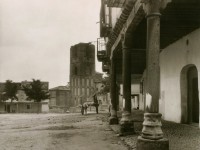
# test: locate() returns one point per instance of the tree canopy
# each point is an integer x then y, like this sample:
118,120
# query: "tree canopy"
35,92
10,90
105,85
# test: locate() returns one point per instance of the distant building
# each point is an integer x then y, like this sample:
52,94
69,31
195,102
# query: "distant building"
82,73
60,98
22,105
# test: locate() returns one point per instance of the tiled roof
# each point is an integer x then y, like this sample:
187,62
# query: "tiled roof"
120,22
60,88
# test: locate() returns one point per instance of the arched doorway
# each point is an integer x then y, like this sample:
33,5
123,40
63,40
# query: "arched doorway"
189,95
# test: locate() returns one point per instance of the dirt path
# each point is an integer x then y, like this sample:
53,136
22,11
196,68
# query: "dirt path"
56,132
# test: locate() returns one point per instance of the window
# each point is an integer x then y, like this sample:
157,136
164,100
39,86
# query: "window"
78,91
92,82
88,92
28,106
78,81
87,82
75,82
72,89
75,70
83,82
72,82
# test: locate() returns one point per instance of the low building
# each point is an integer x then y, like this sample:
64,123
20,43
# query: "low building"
22,105
60,99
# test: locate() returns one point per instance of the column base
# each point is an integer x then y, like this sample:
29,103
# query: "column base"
113,120
126,124
152,126
147,144
113,117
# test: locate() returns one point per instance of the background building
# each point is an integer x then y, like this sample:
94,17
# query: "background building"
22,105
60,98
82,73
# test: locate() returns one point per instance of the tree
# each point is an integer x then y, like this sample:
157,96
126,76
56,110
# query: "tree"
10,90
35,92
105,85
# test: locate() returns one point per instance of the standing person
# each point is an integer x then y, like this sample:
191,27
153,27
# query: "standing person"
82,110
96,103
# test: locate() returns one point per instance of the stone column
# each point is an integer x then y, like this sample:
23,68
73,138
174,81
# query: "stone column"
126,123
152,135
113,118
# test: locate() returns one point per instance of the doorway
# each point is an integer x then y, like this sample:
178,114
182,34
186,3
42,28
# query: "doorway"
135,101
189,95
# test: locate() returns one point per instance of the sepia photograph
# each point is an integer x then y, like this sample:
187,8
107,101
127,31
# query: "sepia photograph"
99,74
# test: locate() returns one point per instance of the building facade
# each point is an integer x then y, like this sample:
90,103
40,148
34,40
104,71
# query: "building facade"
22,105
179,79
60,98
158,40
82,73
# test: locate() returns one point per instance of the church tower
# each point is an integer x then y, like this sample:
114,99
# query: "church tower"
82,72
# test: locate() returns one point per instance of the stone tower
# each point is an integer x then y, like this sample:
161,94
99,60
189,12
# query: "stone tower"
82,72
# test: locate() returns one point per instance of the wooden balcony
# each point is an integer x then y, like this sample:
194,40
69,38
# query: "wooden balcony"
105,66
101,55
105,29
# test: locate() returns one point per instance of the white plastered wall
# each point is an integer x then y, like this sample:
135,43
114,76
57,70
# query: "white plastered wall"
135,89
172,60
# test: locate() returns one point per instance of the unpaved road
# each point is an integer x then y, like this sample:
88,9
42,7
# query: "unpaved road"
57,132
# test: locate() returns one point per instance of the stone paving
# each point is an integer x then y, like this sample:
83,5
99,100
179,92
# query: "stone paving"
180,136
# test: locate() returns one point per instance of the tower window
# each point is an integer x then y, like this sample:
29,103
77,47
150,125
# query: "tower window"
28,106
75,71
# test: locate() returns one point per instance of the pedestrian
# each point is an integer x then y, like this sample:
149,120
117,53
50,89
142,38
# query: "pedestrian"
96,103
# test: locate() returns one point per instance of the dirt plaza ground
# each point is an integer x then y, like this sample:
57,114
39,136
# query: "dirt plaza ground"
57,132
88,132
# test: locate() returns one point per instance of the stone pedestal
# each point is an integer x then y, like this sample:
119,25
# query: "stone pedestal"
147,144
126,124
113,118
152,126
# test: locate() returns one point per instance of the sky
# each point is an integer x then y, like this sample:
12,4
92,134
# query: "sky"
36,36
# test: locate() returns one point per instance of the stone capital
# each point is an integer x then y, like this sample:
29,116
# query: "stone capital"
153,7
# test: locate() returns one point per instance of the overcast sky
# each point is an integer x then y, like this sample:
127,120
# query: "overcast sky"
36,36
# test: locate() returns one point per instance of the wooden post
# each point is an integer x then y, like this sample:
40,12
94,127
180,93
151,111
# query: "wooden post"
113,118
126,123
152,135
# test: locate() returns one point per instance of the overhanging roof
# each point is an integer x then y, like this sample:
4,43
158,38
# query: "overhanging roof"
179,18
116,3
